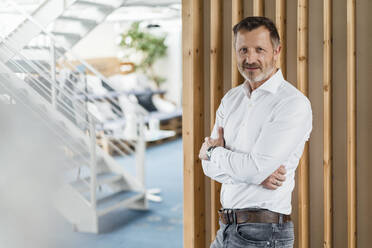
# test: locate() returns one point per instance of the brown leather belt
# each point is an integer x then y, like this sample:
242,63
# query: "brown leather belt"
238,216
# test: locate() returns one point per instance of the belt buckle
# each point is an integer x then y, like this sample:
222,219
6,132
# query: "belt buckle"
226,213
280,219
230,216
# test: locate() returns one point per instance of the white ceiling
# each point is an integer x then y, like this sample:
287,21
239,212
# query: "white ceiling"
151,2
150,10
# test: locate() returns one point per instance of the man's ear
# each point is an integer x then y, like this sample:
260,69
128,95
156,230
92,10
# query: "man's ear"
277,52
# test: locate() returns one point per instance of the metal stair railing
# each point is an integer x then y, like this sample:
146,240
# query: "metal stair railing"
56,46
82,114
39,85
93,159
18,98
47,69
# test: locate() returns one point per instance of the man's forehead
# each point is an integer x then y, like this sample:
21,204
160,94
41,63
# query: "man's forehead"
260,34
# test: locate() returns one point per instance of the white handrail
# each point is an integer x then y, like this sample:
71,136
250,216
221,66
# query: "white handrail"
47,122
110,143
87,65
61,90
140,109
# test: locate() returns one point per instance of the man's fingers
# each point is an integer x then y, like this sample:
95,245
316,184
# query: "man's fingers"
271,183
282,170
203,149
280,177
276,182
270,186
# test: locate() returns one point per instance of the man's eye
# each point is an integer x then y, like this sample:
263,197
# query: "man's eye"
243,50
259,49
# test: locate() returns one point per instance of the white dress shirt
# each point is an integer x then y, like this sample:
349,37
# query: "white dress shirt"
263,129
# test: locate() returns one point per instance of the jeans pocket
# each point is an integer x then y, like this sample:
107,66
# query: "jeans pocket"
285,232
254,234
288,243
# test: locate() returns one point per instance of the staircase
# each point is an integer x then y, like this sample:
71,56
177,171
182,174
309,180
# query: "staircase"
69,21
101,184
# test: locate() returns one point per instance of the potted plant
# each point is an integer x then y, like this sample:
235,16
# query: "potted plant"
149,48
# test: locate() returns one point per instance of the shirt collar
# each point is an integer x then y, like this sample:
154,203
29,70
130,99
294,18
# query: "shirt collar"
271,85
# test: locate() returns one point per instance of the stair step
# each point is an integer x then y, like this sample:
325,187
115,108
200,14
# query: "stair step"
117,200
102,178
94,4
60,49
68,35
20,65
79,19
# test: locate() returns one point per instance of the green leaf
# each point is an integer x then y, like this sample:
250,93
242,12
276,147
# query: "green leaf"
150,46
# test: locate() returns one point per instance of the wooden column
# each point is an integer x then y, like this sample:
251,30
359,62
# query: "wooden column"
192,122
327,125
280,19
258,7
351,124
236,16
302,84
216,82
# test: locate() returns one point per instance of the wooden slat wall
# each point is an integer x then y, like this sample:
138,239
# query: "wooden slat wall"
280,20
327,122
258,7
236,16
216,83
351,125
192,121
303,85
194,226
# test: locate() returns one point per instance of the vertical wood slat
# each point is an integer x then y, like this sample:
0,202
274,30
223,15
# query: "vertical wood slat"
327,126
281,20
258,7
216,82
192,122
302,84
351,124
236,16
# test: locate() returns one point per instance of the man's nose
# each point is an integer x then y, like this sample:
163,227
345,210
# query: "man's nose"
250,57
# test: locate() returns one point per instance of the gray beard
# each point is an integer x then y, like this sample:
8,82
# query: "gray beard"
259,78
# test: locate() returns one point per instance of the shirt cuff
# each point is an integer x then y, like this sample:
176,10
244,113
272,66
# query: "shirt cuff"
216,152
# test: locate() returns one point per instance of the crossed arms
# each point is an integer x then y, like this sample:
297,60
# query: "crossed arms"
290,126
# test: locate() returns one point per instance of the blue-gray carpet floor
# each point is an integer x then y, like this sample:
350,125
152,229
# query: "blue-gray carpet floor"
160,226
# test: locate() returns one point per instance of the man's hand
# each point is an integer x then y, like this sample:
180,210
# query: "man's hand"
208,142
216,142
276,179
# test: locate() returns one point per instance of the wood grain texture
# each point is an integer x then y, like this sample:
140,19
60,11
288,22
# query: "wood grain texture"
236,16
216,83
281,24
192,121
327,123
351,125
258,7
303,85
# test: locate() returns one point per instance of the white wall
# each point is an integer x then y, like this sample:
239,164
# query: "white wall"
101,43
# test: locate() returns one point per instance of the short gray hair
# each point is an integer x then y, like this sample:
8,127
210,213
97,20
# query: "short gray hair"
254,22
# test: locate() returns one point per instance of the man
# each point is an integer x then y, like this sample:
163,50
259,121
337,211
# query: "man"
259,135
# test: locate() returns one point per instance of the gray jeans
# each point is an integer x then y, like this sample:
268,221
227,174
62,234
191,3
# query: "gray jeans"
254,235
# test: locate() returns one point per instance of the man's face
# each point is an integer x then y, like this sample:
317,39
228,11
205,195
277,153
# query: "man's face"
255,54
